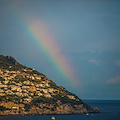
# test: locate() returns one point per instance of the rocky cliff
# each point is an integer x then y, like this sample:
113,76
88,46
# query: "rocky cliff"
24,90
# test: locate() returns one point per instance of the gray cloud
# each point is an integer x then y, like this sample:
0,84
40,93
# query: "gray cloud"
118,62
97,62
115,80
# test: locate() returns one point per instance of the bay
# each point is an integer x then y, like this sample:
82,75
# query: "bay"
110,110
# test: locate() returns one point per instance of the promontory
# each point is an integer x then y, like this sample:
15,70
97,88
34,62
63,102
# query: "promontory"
24,90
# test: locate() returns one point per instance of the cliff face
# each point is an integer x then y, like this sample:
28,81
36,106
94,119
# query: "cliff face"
25,91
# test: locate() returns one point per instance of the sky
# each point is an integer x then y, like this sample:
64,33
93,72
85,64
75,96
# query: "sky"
75,43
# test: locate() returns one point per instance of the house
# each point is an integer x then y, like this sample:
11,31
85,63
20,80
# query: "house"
38,89
46,84
2,94
19,84
32,77
42,85
32,89
47,95
37,85
51,90
71,97
35,74
1,72
5,78
38,93
10,77
6,81
25,91
3,86
1,91
31,83
27,82
7,71
17,88
38,78
15,108
45,90
14,75
25,87
24,70
27,100
12,72
18,93
18,72
10,66
25,94
9,92
13,87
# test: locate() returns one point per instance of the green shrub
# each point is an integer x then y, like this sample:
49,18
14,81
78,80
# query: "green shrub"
2,108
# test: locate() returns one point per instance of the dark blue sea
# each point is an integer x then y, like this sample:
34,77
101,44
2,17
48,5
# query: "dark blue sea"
110,110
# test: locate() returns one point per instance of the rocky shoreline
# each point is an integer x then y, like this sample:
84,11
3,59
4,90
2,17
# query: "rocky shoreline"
59,110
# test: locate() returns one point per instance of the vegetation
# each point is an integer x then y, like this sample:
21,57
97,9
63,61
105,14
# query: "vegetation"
53,85
43,99
2,108
6,62
27,107
1,79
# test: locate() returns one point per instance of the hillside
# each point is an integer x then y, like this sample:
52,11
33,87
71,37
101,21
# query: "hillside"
25,91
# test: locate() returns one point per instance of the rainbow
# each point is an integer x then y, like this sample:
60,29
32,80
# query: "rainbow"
42,39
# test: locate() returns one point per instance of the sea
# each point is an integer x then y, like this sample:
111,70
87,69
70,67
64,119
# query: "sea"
110,110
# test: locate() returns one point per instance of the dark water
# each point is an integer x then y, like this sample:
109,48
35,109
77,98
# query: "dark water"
110,110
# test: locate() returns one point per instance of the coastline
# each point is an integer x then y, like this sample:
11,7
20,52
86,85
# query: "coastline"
46,114
15,113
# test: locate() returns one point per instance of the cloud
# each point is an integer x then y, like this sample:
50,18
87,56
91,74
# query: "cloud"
92,51
115,80
79,51
118,62
112,15
97,62
83,51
